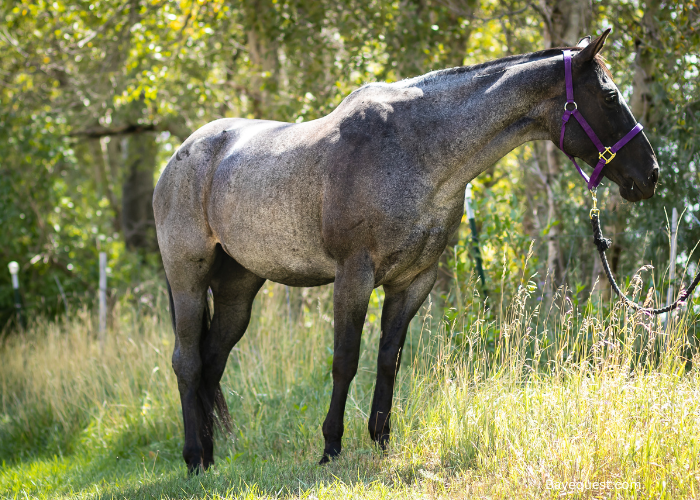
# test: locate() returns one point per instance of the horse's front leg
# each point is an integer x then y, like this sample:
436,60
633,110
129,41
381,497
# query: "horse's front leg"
400,306
354,282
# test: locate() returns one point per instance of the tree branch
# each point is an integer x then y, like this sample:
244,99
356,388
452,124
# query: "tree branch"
97,132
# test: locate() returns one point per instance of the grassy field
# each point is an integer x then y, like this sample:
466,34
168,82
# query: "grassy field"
591,406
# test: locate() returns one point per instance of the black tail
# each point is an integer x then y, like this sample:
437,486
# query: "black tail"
172,305
219,403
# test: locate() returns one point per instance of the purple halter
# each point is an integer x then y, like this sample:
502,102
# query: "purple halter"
606,154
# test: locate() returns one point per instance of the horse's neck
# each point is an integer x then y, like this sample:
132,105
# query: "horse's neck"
474,120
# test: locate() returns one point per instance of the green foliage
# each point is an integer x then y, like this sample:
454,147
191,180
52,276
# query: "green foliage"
78,78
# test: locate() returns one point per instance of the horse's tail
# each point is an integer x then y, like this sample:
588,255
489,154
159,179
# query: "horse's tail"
219,403
171,303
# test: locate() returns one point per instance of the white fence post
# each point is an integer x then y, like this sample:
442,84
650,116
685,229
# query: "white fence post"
103,299
14,270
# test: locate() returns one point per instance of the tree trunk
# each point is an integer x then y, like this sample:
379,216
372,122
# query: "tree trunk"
555,260
264,58
641,103
104,177
565,22
139,160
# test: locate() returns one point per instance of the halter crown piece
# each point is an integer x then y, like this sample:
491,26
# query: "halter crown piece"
605,154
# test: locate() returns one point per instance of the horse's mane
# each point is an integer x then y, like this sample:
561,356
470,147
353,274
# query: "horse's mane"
496,64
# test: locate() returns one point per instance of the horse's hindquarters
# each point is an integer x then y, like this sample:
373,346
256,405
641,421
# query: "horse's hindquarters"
265,209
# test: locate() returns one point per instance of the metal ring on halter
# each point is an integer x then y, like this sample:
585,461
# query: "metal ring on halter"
572,102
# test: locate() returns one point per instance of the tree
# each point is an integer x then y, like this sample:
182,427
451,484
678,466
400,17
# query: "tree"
565,23
94,98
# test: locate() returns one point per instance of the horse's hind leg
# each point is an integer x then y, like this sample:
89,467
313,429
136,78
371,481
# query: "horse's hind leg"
234,289
189,267
399,308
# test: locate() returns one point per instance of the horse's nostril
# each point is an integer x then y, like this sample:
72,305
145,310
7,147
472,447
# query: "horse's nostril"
654,177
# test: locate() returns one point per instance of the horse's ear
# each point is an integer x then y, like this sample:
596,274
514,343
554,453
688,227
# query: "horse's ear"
589,51
584,42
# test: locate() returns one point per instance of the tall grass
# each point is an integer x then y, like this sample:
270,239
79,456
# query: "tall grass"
536,402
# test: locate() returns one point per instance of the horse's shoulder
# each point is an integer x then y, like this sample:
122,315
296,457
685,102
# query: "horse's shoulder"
370,112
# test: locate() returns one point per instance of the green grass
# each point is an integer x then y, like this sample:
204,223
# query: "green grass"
484,408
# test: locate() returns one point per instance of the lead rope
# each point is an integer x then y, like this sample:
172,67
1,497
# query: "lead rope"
603,244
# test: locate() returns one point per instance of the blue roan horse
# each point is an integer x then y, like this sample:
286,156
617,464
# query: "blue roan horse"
364,197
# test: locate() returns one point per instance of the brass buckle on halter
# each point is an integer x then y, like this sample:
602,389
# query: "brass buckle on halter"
594,210
601,155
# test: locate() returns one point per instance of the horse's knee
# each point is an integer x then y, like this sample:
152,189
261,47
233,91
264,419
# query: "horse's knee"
344,368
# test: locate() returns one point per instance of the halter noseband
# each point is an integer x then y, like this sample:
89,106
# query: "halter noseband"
605,154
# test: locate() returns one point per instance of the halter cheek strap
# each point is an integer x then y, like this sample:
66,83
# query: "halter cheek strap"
605,154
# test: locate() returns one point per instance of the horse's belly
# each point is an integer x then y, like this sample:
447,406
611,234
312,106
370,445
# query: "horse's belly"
287,256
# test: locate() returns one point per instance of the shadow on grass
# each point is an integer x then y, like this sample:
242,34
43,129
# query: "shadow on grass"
49,476
275,478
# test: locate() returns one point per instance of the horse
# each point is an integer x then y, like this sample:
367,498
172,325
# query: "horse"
365,196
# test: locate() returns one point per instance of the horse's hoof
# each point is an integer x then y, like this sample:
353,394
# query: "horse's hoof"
329,454
383,443
195,469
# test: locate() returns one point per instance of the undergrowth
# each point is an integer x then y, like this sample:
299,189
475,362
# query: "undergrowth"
539,399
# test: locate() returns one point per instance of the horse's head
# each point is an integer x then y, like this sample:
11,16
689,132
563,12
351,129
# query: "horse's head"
634,168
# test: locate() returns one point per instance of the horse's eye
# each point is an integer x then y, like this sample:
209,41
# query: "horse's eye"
611,98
